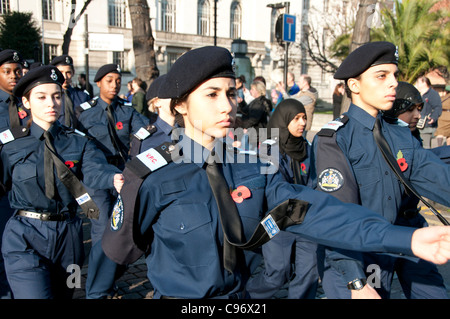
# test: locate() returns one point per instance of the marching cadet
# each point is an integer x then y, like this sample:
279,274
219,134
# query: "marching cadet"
13,117
160,130
72,96
190,226
407,107
42,170
110,121
286,126
367,159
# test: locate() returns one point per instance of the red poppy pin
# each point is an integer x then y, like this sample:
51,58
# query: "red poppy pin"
401,161
119,125
22,114
303,168
69,164
240,193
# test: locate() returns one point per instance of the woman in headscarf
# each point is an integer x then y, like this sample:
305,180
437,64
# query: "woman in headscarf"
286,126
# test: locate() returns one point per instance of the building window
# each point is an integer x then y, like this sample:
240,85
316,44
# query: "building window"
116,13
236,20
120,58
48,9
168,15
203,17
171,58
305,4
50,52
5,8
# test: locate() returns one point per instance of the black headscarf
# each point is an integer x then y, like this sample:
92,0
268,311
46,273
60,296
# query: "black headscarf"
294,147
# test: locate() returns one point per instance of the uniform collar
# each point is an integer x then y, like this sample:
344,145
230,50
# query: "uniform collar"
193,152
104,105
38,132
361,116
164,126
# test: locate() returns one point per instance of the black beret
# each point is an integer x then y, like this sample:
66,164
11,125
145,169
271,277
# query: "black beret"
153,90
406,97
105,69
37,76
195,67
62,60
10,56
366,56
35,65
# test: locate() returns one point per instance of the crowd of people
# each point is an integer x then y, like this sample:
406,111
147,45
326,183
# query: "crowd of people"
210,180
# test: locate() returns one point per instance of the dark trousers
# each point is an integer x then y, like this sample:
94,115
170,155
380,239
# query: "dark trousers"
38,254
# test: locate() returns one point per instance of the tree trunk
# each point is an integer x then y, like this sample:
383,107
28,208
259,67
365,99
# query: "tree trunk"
143,41
72,23
361,35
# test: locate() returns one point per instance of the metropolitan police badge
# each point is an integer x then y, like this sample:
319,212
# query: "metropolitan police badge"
117,215
330,180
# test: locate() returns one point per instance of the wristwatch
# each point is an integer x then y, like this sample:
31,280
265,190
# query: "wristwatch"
357,284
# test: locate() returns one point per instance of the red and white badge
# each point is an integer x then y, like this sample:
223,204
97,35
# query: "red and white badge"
6,136
152,159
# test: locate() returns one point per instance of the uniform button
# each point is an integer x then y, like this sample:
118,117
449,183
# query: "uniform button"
182,226
389,197
386,173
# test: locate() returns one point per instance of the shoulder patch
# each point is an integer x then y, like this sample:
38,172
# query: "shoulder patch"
330,180
331,127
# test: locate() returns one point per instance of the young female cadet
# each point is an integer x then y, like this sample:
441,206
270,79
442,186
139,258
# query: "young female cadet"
194,251
111,122
363,175
44,236
286,127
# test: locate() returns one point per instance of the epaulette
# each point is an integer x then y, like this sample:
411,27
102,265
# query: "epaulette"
124,102
331,127
71,130
151,160
11,134
145,132
88,104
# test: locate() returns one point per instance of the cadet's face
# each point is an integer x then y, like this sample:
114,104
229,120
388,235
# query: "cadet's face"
44,103
375,89
210,110
67,72
297,125
10,74
109,86
411,117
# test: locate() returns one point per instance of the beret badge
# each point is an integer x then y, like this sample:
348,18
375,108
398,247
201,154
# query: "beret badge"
118,69
53,76
16,57
67,60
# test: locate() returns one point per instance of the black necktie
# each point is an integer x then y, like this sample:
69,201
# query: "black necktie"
231,222
13,113
49,165
69,118
114,137
389,157
67,177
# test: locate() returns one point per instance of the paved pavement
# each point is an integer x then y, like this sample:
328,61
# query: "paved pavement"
134,284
